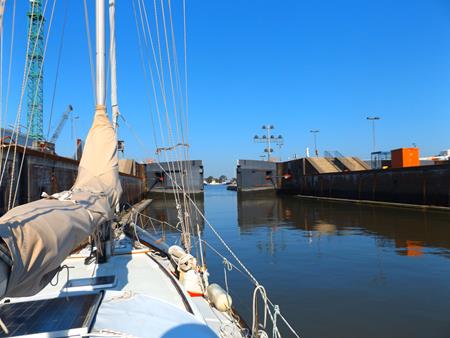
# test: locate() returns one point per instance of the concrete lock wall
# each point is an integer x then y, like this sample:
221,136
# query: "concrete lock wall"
47,174
426,185
43,172
189,173
5,186
133,189
253,175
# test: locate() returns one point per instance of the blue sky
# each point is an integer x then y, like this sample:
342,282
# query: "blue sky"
298,65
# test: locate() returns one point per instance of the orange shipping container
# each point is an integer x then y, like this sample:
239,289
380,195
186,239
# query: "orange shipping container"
405,157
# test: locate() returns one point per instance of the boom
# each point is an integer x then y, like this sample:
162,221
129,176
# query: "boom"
61,124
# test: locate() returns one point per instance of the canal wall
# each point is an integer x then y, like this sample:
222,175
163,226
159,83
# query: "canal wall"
159,183
253,175
423,185
45,172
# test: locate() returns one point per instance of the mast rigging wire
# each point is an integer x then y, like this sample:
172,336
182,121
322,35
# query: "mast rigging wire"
58,64
160,76
183,129
8,87
184,109
141,56
25,75
3,5
11,48
182,190
178,124
88,35
159,70
34,99
18,114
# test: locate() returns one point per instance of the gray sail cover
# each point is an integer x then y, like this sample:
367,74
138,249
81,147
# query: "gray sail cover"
41,234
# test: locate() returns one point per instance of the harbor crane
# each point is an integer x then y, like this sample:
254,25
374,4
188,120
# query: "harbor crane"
61,124
35,78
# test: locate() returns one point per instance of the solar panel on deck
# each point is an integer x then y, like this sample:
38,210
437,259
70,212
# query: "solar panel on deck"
55,316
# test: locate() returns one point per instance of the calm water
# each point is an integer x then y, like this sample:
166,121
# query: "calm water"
335,269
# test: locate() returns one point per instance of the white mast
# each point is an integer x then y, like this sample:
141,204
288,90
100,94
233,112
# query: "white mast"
112,61
100,87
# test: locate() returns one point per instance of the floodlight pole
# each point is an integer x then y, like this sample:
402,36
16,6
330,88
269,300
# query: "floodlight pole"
314,132
268,127
269,139
373,119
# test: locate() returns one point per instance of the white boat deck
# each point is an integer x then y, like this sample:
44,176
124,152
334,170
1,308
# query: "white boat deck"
146,300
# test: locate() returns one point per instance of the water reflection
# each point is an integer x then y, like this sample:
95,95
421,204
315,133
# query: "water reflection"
335,269
164,220
410,232
348,270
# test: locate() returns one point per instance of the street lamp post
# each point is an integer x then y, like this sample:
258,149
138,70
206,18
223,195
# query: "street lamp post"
314,132
269,139
373,119
74,119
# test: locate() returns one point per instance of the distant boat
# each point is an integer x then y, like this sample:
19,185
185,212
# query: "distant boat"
213,182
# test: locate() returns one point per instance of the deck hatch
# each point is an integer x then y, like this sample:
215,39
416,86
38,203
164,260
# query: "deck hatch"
55,317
